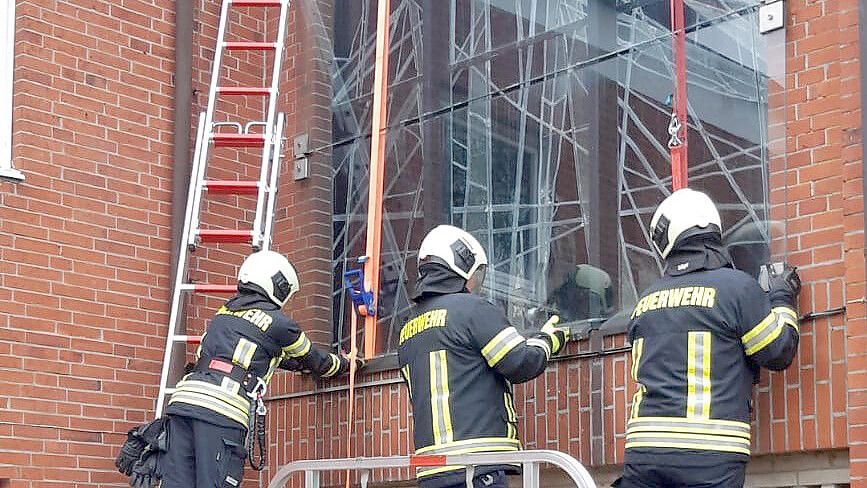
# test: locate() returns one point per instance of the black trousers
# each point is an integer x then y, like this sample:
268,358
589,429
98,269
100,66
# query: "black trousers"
494,479
203,455
723,475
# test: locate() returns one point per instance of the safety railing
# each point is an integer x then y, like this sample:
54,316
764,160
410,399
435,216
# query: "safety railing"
530,462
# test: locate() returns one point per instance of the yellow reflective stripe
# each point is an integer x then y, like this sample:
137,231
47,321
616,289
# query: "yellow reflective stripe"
769,329
501,344
300,347
273,367
688,437
232,398
405,371
687,430
244,353
542,343
759,328
211,404
511,414
732,424
787,316
335,366
439,389
689,445
637,349
483,445
636,401
457,447
698,393
432,471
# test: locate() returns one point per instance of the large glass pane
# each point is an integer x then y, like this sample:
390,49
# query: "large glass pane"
542,128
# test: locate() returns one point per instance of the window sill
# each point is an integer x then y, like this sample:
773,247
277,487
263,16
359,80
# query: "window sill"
11,175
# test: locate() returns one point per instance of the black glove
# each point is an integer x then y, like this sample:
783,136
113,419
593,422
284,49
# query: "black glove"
130,452
137,440
146,473
345,364
782,283
292,364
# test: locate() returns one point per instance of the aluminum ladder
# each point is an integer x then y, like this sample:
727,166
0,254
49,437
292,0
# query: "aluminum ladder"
530,462
266,134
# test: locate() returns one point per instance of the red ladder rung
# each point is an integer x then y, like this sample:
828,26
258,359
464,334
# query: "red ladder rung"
189,339
229,139
225,235
232,187
215,288
243,90
249,46
256,3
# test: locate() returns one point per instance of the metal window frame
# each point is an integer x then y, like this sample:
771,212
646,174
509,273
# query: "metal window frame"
7,62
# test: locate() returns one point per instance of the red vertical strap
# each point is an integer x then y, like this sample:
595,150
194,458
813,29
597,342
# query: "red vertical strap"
679,163
377,171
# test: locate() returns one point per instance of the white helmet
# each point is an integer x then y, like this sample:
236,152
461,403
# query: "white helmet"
455,248
273,273
681,211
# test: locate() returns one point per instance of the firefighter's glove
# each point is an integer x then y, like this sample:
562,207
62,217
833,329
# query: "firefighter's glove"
782,283
292,364
346,363
147,471
151,435
130,452
557,335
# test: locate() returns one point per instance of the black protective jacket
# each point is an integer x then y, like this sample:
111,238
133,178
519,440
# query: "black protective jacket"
247,340
459,358
698,336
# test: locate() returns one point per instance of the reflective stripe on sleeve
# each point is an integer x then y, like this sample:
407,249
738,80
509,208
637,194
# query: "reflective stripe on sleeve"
769,329
299,348
541,343
501,344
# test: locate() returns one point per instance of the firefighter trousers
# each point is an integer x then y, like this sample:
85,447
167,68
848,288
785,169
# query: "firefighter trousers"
203,455
723,475
494,479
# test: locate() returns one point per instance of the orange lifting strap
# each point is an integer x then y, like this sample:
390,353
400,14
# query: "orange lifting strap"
374,208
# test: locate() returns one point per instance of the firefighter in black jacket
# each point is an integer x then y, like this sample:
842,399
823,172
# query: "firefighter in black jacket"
699,335
459,357
247,340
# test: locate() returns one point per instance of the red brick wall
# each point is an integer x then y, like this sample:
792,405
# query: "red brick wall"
85,242
85,250
816,191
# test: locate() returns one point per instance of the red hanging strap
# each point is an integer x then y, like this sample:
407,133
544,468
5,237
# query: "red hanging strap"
677,128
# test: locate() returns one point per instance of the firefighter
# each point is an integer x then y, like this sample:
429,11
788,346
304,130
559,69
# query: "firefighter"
459,358
699,336
209,413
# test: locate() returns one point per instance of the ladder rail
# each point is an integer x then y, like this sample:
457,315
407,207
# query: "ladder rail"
271,145
177,292
272,184
530,462
216,67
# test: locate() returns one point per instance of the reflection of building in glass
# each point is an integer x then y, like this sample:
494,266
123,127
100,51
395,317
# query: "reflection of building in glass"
541,127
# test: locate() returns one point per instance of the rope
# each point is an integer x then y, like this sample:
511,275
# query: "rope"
353,352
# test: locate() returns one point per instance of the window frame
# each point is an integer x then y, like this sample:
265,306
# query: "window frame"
7,63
